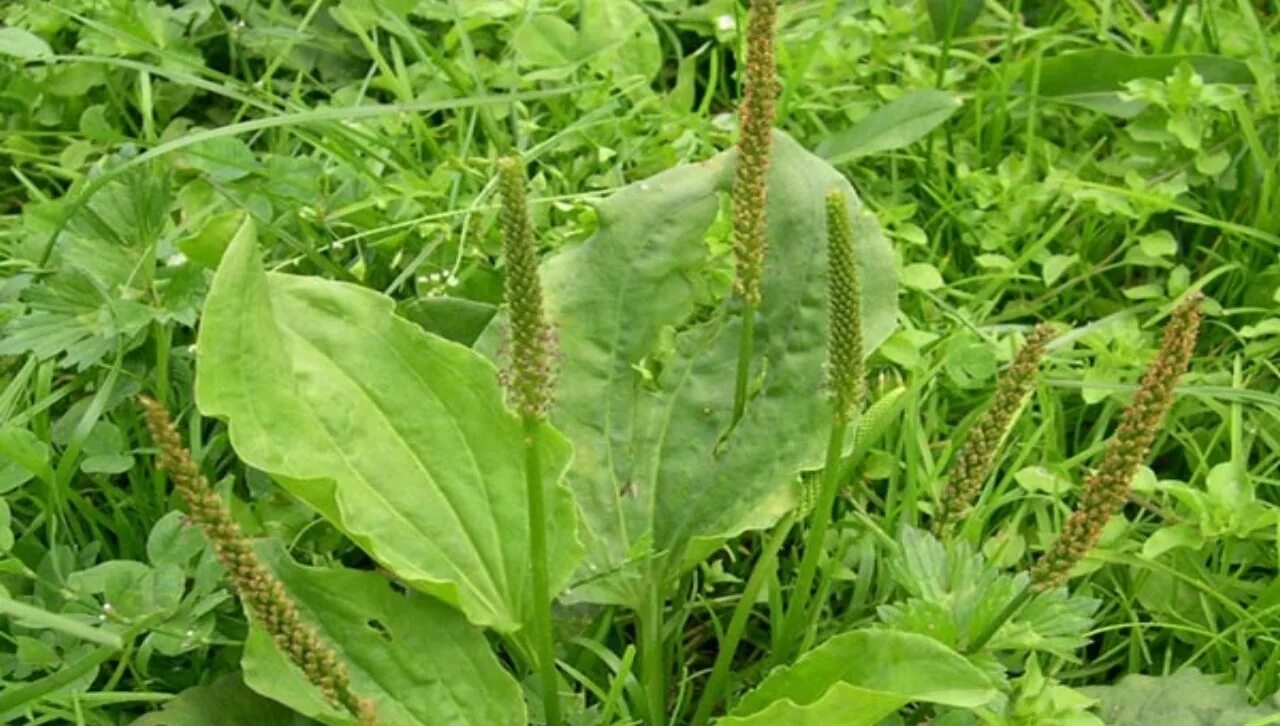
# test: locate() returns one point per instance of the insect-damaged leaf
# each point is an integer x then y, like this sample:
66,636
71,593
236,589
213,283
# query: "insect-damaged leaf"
398,437
419,661
647,374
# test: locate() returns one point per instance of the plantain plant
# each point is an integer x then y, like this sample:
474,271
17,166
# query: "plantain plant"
677,419
402,439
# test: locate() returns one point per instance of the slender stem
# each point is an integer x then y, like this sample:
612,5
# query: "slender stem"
820,522
163,342
728,645
652,659
953,16
744,360
1175,28
541,630
1008,612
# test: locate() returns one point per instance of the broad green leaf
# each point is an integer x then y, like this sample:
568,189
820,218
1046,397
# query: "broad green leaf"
225,702
860,677
1186,698
952,17
398,437
454,318
1229,486
900,123
618,38
1042,479
922,276
1095,78
417,659
25,456
969,363
1170,537
223,159
646,380
1053,267
23,44
546,41
206,245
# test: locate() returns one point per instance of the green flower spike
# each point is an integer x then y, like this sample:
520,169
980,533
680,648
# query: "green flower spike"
530,380
755,141
529,384
845,364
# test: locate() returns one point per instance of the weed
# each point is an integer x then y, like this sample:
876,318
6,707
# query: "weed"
280,221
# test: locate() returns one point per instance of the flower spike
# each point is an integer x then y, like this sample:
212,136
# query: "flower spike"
530,376
1106,491
258,587
755,142
845,365
972,466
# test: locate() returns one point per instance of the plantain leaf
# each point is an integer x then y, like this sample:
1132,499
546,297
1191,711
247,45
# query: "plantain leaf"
396,436
647,377
1185,698
225,702
23,44
453,318
419,661
860,677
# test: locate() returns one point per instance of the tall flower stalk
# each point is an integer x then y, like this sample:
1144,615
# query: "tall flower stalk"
973,465
259,589
846,372
1106,491
529,381
750,187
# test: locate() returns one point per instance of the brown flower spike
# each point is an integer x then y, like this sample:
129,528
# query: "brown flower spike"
530,377
760,92
972,466
1106,491
258,588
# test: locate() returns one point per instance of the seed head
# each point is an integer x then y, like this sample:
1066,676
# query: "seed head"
258,587
972,466
759,95
844,345
1106,491
529,378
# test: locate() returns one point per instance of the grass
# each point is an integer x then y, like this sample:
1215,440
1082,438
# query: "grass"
138,139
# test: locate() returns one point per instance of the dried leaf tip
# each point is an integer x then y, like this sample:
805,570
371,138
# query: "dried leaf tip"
260,590
972,466
1107,489
529,377
845,365
755,141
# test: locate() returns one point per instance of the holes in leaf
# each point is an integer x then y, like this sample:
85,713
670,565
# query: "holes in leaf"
376,626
